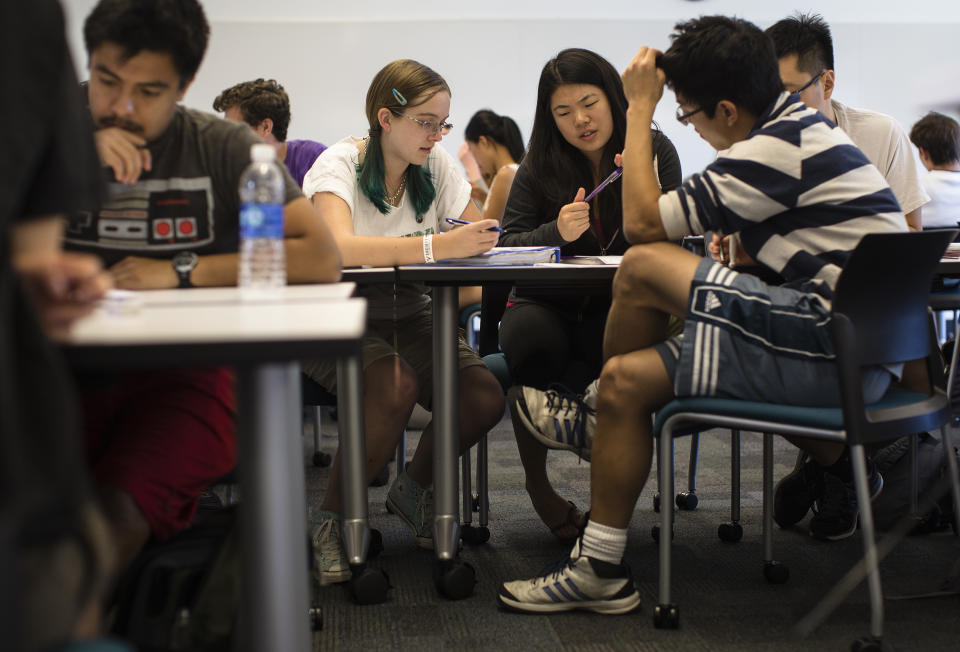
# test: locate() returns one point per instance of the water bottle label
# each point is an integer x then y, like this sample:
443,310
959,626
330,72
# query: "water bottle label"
261,221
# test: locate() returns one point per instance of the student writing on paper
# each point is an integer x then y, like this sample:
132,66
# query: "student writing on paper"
385,198
579,127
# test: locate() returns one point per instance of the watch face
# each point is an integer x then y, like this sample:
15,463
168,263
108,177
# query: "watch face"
184,261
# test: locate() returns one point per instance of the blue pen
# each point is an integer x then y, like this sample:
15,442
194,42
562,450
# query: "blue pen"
453,220
603,184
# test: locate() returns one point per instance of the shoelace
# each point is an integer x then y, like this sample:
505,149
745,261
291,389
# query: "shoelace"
560,397
553,569
328,538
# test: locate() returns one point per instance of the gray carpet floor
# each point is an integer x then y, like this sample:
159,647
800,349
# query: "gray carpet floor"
724,601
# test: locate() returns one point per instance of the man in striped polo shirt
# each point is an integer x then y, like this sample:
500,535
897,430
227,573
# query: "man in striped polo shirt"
800,195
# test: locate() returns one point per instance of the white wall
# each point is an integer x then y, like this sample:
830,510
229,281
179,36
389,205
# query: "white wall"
891,56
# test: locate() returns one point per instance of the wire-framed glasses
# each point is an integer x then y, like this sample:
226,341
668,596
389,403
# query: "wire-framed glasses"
429,126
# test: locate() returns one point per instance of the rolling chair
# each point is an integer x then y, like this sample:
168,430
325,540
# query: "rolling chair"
880,316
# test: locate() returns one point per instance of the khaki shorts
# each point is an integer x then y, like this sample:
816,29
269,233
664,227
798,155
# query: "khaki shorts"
414,345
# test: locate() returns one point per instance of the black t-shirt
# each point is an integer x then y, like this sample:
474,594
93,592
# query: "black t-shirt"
47,166
188,200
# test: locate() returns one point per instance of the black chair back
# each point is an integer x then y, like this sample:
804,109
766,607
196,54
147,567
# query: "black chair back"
881,316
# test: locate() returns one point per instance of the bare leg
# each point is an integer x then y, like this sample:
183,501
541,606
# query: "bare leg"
128,525
653,282
550,506
481,407
389,394
632,388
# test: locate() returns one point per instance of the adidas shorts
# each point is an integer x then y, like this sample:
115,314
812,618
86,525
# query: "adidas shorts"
748,340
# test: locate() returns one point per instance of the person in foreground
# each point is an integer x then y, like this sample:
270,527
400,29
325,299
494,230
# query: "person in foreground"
385,198
801,196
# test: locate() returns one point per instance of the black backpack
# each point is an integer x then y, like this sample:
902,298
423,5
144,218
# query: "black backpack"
184,593
893,503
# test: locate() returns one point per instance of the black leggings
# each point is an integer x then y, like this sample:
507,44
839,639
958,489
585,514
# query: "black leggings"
544,343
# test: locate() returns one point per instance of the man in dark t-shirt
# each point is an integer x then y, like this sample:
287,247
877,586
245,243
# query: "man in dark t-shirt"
265,106
156,440
52,568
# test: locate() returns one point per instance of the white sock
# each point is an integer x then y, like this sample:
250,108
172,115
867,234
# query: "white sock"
604,543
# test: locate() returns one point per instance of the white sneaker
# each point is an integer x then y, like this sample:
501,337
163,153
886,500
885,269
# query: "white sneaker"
330,565
575,582
559,418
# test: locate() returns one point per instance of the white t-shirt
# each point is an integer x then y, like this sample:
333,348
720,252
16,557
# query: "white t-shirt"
335,171
885,143
943,186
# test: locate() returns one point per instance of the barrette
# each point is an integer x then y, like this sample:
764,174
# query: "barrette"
400,98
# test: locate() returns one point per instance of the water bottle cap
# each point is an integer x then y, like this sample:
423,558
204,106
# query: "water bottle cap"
262,153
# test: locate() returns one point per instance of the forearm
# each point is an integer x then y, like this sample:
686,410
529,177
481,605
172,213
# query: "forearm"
39,237
379,251
914,220
641,214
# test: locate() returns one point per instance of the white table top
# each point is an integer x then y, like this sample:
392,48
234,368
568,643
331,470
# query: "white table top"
227,329
324,291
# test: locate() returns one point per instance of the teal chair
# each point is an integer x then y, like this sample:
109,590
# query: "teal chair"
880,316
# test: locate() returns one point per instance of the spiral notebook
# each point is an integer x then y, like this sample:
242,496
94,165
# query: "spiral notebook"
508,256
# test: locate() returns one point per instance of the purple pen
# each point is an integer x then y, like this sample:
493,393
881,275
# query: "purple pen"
603,184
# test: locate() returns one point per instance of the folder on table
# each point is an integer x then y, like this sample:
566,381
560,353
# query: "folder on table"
508,256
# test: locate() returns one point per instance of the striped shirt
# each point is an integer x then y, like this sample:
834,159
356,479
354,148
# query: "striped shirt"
798,191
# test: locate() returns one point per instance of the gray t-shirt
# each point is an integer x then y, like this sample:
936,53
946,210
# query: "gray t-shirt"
189,200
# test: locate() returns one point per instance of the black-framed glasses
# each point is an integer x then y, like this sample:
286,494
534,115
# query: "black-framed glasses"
684,118
429,126
810,83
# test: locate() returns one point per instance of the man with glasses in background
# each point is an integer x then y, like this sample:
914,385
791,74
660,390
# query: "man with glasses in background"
804,48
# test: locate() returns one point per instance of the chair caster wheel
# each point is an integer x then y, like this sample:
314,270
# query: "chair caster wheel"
369,585
775,572
315,614
474,536
868,644
376,544
656,502
655,533
475,504
687,501
730,532
454,578
666,616
321,459
382,478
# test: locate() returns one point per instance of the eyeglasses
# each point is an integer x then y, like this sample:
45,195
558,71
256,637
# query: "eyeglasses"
810,83
429,126
684,118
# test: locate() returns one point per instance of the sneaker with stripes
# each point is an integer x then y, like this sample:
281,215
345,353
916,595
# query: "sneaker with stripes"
558,418
576,582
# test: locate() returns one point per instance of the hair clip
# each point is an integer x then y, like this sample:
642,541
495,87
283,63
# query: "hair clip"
400,98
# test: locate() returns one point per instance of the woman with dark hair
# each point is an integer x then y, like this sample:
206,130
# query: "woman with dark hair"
578,129
497,146
385,198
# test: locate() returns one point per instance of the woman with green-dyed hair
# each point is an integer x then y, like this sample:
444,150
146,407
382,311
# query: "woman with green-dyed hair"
386,198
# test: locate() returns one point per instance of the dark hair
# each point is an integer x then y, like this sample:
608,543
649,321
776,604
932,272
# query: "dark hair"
557,168
415,83
715,58
808,37
176,27
499,128
258,100
939,135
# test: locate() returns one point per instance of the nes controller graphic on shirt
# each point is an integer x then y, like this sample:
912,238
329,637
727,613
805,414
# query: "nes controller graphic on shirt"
153,214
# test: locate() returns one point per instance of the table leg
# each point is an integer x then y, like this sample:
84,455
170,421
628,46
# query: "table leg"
273,509
353,455
446,428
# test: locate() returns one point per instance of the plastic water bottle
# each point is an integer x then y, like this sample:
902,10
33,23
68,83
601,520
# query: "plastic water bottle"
262,261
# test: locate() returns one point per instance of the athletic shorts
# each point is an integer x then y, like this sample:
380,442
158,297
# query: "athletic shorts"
411,339
748,340
163,437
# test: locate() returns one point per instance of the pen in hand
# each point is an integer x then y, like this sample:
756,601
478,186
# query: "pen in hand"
603,184
455,221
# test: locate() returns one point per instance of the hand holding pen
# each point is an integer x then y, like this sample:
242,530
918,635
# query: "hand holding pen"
459,222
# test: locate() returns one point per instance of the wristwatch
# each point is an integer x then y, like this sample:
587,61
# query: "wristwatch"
183,264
